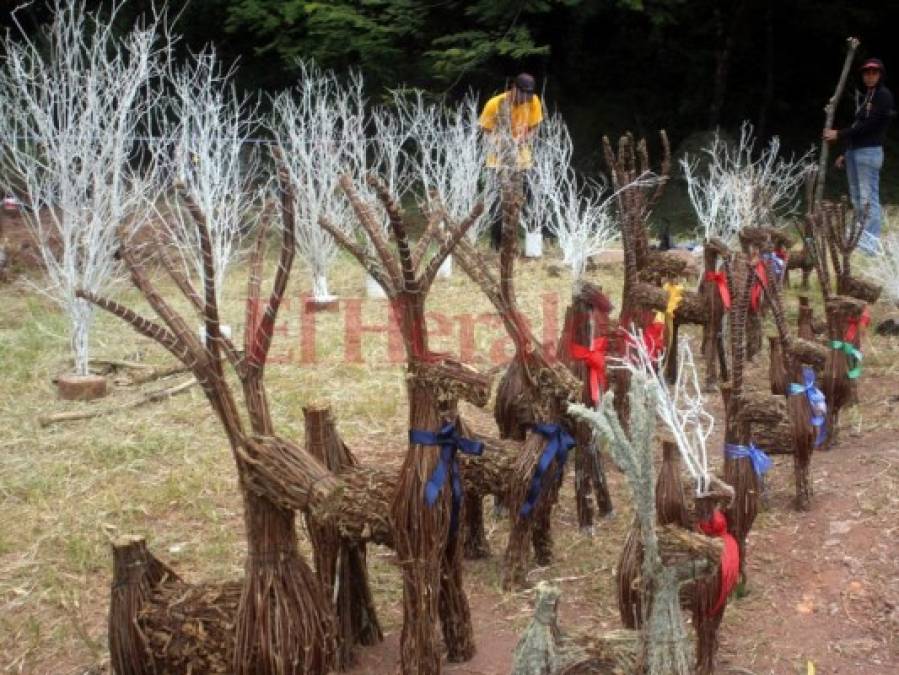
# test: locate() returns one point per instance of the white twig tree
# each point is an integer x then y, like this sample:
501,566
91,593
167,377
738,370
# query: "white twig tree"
319,125
680,407
553,148
74,99
445,161
581,220
210,159
742,187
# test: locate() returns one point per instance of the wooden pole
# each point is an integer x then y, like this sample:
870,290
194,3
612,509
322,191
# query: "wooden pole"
829,112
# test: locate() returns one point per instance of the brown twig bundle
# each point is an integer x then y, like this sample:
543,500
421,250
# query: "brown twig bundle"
512,397
190,629
420,535
587,318
713,348
705,596
671,503
805,323
136,573
777,375
739,472
838,387
627,578
284,623
339,562
516,557
804,434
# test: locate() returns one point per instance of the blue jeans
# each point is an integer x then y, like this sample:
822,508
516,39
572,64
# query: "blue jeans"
863,171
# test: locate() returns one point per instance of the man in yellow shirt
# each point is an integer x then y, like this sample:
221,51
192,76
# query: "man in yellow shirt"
525,112
521,106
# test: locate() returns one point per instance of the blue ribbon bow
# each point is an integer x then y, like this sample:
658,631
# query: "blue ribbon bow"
557,447
761,463
816,401
779,265
450,442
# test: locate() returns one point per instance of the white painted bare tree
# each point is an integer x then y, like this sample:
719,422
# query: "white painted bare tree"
742,186
581,220
445,161
74,99
211,162
552,165
319,124
680,406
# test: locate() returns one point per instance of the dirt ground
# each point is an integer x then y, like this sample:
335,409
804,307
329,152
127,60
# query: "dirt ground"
823,588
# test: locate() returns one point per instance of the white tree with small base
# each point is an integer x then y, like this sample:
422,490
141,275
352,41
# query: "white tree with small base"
74,100
209,157
319,125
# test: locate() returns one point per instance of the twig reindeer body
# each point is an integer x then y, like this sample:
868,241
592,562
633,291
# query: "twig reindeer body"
583,348
284,623
424,537
666,647
716,295
544,387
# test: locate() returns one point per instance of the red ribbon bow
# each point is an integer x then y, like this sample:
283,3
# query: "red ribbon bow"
854,323
595,358
761,282
716,526
654,339
720,279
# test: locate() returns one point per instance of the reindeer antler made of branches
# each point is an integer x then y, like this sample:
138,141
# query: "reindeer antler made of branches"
400,273
205,361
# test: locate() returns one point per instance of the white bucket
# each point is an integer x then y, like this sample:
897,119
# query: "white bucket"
533,244
373,289
223,327
445,271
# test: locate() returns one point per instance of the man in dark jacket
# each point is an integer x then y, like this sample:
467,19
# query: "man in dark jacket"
864,149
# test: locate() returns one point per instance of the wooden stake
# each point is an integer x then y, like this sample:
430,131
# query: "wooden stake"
829,112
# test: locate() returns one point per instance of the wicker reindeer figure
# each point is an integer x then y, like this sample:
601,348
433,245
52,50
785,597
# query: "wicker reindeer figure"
803,362
715,292
666,647
640,299
845,316
583,348
284,623
843,234
535,394
424,533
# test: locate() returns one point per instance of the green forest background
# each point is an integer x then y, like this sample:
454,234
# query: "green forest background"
606,65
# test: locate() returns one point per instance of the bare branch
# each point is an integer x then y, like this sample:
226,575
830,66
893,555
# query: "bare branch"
375,235
449,243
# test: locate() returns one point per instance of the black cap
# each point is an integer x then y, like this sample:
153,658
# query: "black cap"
525,83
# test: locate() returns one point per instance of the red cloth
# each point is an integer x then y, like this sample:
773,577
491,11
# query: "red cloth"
720,279
716,526
760,283
595,358
654,339
854,323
